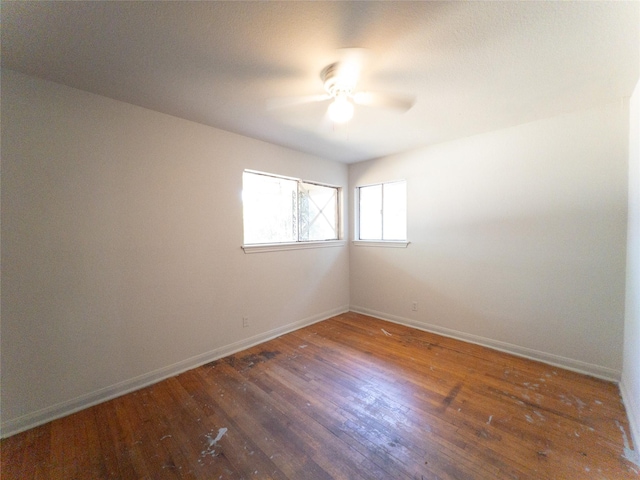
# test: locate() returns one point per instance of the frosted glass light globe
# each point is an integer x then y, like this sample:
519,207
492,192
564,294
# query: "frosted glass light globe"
340,110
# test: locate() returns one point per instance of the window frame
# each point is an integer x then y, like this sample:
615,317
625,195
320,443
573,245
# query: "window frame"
357,241
298,244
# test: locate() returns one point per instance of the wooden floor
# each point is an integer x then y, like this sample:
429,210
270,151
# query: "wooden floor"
351,397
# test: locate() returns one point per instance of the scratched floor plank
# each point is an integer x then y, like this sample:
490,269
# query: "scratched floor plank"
352,397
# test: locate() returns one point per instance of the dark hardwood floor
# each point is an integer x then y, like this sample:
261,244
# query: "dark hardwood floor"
349,398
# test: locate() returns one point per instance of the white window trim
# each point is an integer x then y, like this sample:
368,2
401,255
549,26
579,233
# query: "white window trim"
277,247
382,243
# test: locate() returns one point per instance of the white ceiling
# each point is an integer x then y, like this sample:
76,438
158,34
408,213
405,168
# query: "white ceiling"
473,67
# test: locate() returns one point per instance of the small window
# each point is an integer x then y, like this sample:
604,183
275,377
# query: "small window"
382,211
286,210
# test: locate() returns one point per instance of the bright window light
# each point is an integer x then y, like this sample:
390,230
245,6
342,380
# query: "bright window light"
383,211
284,210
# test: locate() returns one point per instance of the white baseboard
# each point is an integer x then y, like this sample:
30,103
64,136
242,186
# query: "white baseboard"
33,419
597,371
632,414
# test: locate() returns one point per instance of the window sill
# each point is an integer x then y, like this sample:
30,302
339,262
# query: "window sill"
382,243
276,247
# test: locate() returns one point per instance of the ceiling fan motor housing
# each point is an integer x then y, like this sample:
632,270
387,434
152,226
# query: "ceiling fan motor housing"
336,83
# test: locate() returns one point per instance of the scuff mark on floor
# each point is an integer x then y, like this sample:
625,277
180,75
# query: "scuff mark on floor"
385,332
490,417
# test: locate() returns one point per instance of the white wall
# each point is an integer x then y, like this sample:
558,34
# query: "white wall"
121,258
517,240
630,384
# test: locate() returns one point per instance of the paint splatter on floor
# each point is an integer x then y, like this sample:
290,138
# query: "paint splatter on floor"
212,443
629,454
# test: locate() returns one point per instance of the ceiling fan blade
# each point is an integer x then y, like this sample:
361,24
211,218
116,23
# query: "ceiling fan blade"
284,102
384,100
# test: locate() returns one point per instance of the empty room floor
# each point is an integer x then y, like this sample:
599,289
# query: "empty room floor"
351,397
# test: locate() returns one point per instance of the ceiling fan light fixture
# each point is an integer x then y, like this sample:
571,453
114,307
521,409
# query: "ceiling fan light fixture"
341,109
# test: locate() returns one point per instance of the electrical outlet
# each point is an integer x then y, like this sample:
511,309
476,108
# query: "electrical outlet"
414,306
245,322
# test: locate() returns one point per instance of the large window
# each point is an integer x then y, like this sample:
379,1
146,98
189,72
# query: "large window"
382,211
286,210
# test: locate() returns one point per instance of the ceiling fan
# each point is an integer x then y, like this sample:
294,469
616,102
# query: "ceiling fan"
340,81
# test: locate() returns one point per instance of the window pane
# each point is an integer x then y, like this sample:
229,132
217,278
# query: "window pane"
394,211
270,206
318,212
370,212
